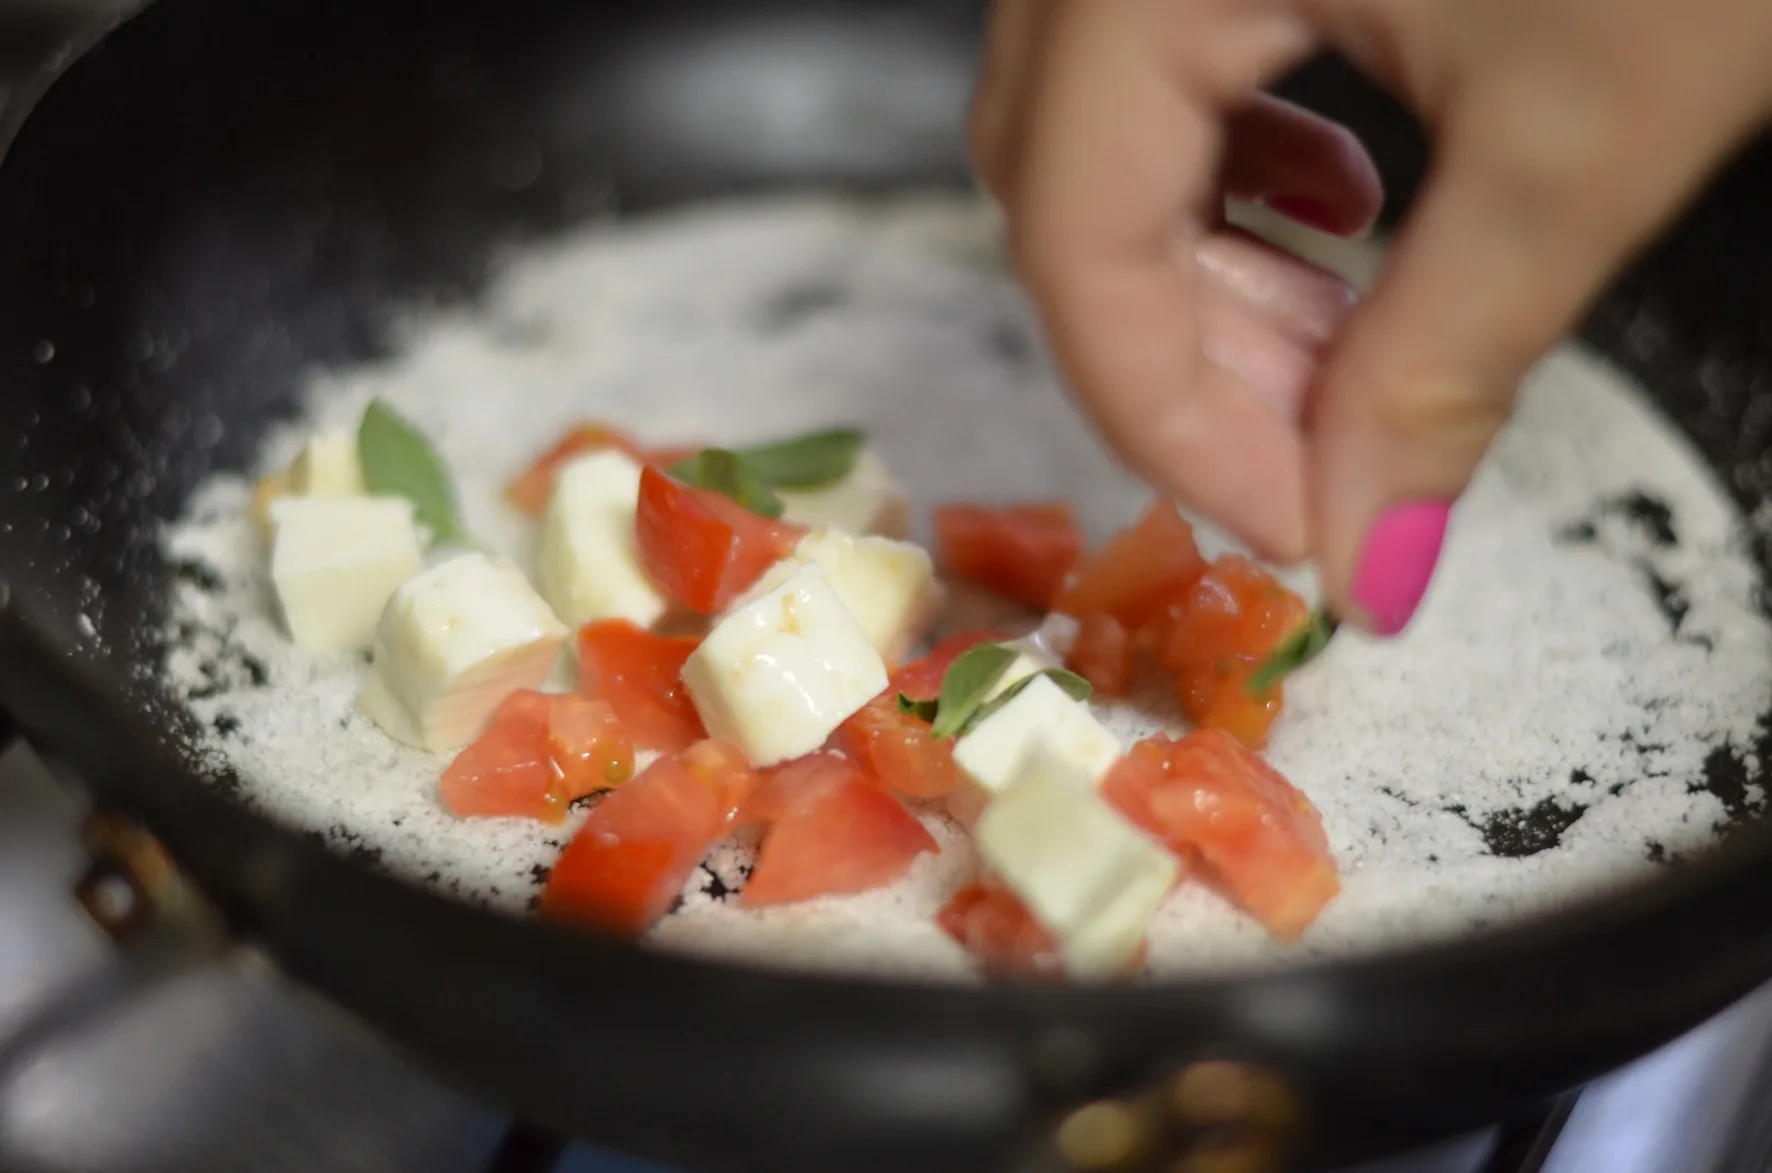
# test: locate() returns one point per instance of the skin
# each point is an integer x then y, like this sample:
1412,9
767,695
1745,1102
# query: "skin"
1567,134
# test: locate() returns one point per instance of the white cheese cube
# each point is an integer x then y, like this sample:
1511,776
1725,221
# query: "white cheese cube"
990,754
588,566
327,466
867,501
778,674
453,642
887,585
1024,665
1087,874
335,561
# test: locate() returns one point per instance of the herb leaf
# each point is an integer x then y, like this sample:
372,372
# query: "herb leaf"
806,462
968,681
1294,652
1074,686
730,475
922,710
399,461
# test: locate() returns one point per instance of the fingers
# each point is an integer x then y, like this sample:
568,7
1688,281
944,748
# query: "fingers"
1538,197
1117,175
1302,166
1014,38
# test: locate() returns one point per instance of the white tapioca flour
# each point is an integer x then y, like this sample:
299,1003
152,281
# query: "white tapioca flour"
1545,727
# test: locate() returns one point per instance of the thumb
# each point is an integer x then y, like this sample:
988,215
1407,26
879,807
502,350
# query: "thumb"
1511,239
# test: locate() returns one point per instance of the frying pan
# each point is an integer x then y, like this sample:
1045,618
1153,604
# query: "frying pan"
216,196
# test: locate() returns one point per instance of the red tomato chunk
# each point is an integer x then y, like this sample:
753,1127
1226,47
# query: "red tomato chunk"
1102,655
829,833
1021,551
898,750
703,549
540,752
995,927
1236,609
529,491
640,675
1138,572
627,865
1256,839
1217,696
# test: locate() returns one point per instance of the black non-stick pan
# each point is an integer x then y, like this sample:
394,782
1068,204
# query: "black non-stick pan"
220,195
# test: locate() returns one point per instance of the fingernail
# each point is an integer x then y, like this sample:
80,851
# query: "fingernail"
1311,213
1402,549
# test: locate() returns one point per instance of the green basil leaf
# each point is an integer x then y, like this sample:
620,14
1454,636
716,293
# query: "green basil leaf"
399,461
1294,652
922,710
811,461
1074,687
969,679
730,475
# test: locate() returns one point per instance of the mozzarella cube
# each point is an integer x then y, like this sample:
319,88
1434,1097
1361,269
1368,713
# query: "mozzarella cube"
1024,665
887,585
588,566
453,642
779,673
1087,874
990,754
335,561
327,466
867,501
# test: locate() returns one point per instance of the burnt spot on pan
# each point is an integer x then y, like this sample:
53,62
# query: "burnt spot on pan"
795,305
220,665
1728,778
199,576
1644,513
1518,832
1012,342
1634,528
351,845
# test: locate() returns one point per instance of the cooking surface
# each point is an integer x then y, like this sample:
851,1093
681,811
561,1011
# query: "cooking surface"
128,1066
139,1066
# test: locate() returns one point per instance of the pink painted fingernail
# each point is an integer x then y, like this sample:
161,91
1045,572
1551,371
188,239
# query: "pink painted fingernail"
1402,549
1311,213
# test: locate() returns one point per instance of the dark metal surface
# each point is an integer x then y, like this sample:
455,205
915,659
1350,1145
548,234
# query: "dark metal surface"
226,194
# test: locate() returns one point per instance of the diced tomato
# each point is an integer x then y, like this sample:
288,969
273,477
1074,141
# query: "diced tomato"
1102,654
641,676
1021,551
725,771
628,863
541,751
588,745
1136,573
1216,696
1235,609
1253,836
507,772
830,833
530,490
920,679
701,548
899,750
995,927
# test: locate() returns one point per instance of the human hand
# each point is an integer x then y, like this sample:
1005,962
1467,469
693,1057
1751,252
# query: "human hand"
1567,132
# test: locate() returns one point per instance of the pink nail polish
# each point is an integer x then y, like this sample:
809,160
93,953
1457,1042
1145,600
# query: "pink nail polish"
1402,549
1311,213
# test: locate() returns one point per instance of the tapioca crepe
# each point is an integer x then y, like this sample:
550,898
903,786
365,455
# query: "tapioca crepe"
1552,722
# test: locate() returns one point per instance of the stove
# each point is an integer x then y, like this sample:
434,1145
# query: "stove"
114,1062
